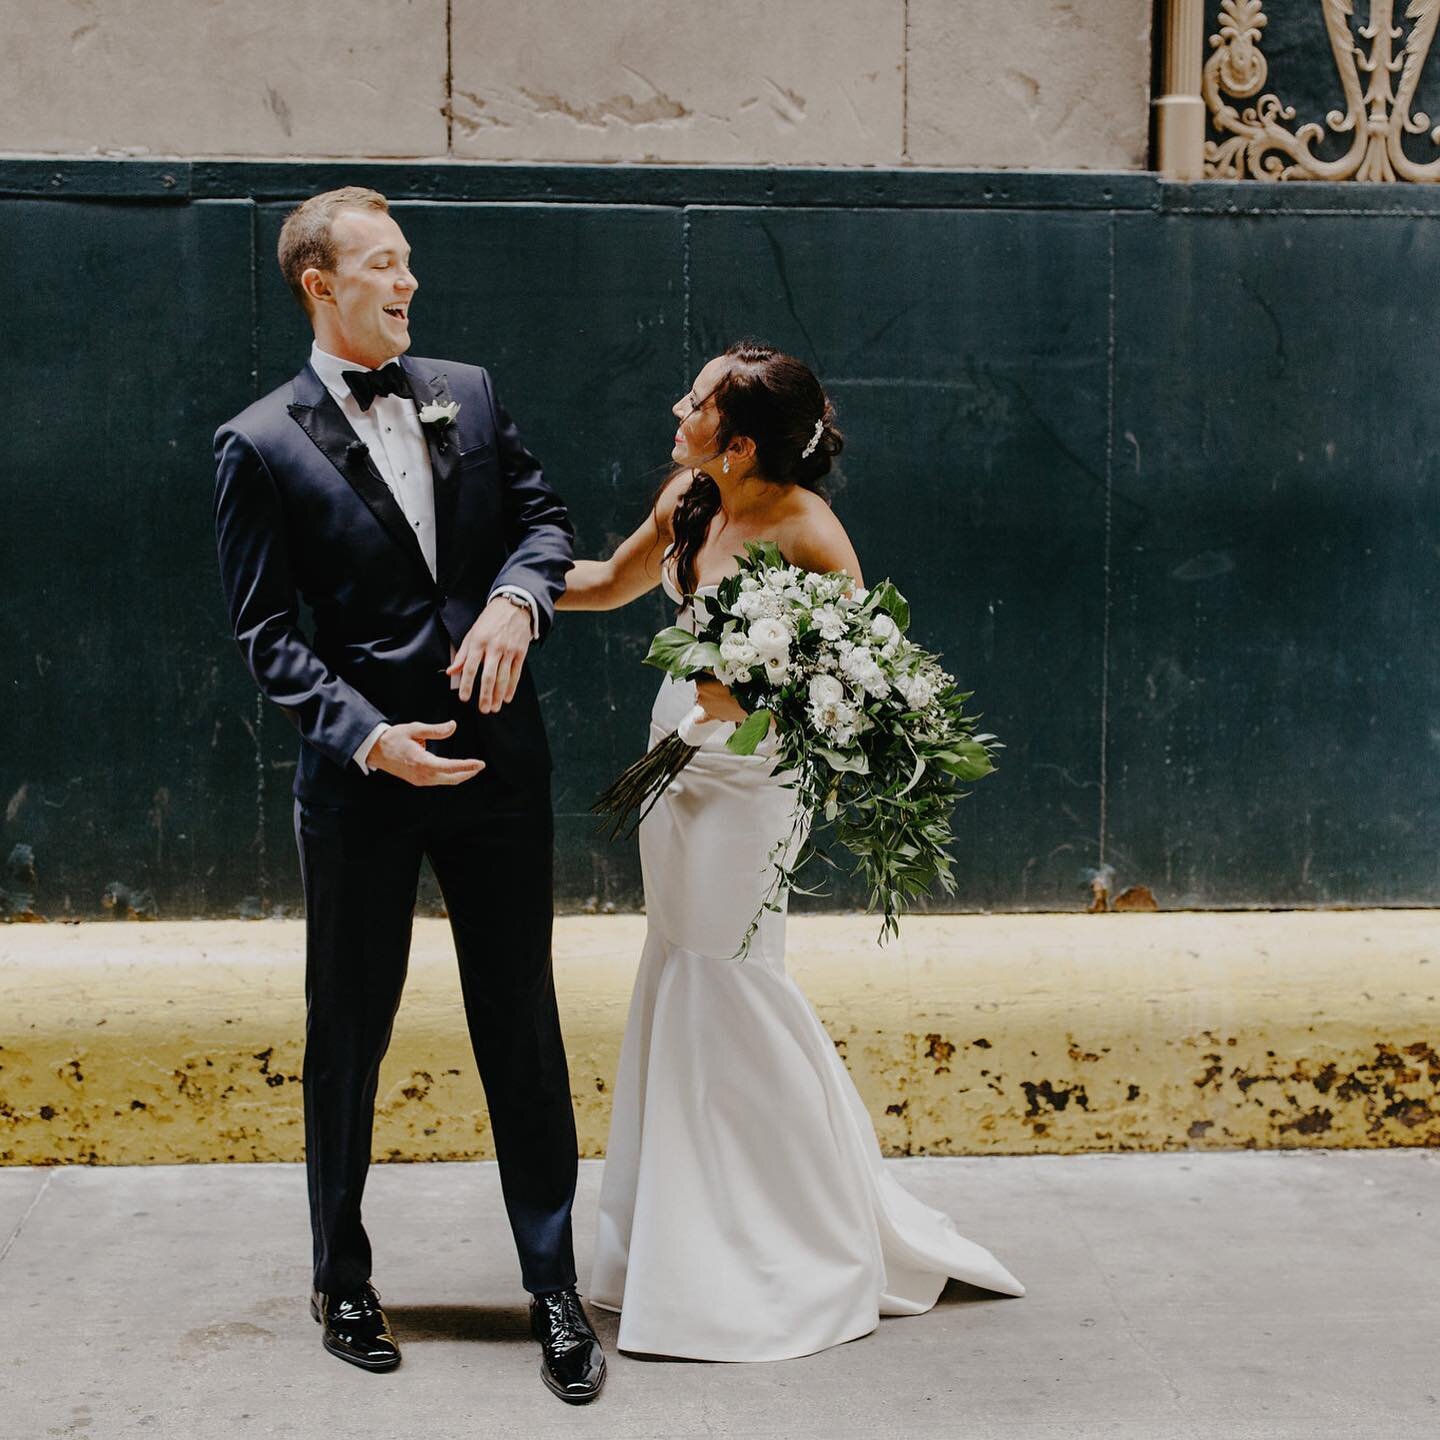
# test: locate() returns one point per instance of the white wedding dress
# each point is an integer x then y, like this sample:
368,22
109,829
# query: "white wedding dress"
745,1210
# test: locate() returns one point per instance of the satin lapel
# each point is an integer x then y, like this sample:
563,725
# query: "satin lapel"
444,446
317,414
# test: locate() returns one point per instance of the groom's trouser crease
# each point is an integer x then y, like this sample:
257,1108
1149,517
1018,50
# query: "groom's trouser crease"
360,875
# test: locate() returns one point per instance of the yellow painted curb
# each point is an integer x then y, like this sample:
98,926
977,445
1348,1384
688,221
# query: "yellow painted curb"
129,1044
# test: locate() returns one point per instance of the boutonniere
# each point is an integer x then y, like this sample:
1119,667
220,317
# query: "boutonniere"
439,412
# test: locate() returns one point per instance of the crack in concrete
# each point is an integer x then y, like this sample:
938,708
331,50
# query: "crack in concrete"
1136,1336
449,77
29,1211
905,89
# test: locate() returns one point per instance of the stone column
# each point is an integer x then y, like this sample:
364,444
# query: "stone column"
1180,110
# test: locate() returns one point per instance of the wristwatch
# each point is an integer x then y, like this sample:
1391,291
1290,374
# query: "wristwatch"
517,600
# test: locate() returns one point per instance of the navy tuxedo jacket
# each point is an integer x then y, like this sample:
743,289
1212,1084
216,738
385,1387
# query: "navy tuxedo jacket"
301,512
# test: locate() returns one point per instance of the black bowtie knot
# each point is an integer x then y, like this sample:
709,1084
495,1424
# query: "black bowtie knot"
366,385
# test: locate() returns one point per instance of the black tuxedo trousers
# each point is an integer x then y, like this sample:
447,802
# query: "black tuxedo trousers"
493,862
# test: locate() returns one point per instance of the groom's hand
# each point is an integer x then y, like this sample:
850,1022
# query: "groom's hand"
401,751
498,641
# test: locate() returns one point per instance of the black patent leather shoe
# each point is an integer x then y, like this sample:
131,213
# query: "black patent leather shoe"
355,1329
572,1363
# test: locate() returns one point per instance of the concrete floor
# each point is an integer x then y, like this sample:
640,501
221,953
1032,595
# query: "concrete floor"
1244,1296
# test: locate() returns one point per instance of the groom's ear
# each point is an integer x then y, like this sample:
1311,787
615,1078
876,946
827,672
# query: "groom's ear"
317,289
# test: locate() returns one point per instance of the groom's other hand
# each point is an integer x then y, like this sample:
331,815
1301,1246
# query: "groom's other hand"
498,641
400,751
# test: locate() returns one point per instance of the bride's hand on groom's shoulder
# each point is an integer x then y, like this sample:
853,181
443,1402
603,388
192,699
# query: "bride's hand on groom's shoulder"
400,751
494,647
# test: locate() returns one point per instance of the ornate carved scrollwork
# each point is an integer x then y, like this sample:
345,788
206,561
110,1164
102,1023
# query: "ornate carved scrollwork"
1257,140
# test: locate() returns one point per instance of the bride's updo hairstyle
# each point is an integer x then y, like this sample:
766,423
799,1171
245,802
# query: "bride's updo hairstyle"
776,401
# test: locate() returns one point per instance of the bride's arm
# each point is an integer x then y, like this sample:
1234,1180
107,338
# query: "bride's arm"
632,571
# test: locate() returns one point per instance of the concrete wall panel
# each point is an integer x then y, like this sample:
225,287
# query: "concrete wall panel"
1044,84
202,77
816,83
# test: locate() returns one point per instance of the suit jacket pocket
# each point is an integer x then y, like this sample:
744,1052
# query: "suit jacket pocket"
477,455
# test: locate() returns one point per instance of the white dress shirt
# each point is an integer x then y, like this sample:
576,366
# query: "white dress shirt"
391,431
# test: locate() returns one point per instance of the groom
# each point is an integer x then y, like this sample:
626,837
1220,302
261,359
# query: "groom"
396,497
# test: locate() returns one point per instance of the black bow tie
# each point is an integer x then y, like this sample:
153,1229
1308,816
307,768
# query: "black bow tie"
366,385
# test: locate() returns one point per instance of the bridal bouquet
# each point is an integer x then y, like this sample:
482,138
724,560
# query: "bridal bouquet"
869,729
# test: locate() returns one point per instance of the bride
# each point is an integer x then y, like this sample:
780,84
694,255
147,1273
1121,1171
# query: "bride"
745,1212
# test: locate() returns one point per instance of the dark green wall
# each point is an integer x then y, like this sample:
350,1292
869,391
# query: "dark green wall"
1155,465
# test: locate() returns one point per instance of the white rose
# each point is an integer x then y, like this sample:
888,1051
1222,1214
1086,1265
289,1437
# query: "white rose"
737,650
770,637
884,628
748,605
825,690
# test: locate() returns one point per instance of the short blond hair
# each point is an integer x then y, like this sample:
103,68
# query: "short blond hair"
306,239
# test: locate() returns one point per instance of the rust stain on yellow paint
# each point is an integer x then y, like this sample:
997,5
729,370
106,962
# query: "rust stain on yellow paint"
1009,1034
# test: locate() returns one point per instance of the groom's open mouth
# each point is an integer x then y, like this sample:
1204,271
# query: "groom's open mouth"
396,312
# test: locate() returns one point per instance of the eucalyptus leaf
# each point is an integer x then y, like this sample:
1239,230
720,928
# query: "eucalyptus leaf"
857,764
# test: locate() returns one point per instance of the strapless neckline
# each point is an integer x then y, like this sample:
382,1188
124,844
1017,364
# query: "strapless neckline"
668,585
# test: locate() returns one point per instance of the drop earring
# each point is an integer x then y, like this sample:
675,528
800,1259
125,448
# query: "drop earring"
725,466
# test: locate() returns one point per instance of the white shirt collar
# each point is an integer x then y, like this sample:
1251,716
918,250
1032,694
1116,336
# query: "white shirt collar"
331,370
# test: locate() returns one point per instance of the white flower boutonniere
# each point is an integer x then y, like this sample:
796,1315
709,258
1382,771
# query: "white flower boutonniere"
439,412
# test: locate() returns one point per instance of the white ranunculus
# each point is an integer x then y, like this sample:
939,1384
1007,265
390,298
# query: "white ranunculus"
770,637
737,650
825,690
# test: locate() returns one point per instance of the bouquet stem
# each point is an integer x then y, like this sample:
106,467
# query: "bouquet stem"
638,789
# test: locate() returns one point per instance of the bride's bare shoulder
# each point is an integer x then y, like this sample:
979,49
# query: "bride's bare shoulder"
814,537
671,493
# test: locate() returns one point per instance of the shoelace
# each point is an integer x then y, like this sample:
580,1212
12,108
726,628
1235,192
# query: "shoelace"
357,1307
568,1326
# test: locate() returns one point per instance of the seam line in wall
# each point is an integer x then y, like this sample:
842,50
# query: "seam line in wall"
685,284
1109,505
